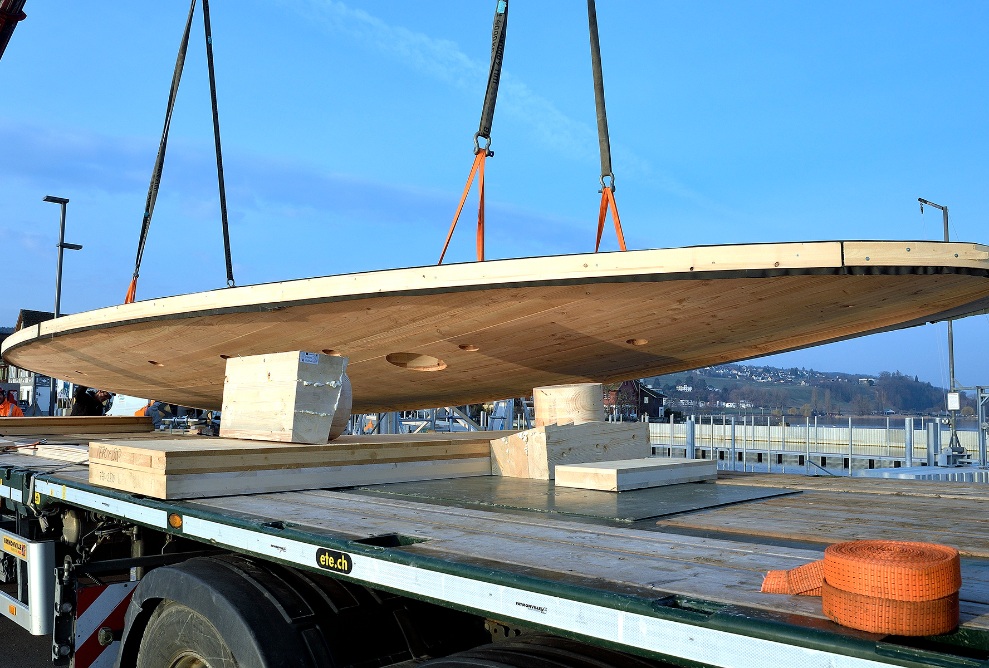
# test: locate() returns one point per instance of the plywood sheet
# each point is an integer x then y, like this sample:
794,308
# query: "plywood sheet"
621,476
456,334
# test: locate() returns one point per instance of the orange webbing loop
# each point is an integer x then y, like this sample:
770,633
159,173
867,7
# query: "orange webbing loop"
800,581
131,291
476,168
608,200
901,570
881,586
886,615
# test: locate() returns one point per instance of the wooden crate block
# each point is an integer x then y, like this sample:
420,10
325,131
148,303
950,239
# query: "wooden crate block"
290,397
535,453
565,404
619,476
199,467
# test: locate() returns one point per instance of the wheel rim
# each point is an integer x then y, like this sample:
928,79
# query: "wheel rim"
189,660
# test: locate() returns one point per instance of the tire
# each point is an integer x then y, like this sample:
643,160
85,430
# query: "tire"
179,637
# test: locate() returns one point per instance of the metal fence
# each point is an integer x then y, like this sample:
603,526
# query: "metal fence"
733,440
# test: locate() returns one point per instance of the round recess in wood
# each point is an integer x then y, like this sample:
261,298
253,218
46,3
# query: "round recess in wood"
330,351
224,357
416,361
637,342
469,347
153,363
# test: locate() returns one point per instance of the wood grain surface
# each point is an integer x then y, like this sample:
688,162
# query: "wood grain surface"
457,334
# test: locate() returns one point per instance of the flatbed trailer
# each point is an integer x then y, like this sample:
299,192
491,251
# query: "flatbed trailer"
472,571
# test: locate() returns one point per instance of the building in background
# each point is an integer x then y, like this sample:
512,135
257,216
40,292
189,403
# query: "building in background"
32,389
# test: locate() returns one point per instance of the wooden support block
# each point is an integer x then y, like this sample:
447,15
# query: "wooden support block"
535,453
90,424
568,404
291,397
200,467
225,483
619,476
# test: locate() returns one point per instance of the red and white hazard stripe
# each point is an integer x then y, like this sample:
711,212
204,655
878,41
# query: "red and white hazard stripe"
98,608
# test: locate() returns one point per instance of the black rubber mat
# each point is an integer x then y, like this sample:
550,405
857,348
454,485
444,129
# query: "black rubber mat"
495,492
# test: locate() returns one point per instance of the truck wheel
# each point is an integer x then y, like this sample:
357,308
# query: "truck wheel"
179,637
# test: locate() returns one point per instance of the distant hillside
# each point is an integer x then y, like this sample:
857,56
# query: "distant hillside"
801,391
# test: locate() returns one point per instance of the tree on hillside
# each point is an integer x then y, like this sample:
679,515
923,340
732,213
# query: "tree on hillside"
861,405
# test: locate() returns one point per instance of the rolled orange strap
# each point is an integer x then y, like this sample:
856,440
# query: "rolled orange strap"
900,570
887,615
881,586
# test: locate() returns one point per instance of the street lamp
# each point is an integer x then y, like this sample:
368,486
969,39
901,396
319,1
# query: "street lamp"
61,201
951,336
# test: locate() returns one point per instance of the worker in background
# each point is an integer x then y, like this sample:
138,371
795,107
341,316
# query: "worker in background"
154,410
85,403
106,400
9,407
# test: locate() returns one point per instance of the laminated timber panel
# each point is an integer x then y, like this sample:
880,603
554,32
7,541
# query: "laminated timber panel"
90,424
621,476
198,467
536,453
256,481
468,333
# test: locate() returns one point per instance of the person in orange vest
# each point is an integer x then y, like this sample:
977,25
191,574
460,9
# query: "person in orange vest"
154,410
9,407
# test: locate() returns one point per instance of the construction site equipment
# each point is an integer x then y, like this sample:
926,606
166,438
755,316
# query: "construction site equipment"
11,13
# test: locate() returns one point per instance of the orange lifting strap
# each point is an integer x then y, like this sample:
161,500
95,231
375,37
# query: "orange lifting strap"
131,291
608,200
881,586
476,168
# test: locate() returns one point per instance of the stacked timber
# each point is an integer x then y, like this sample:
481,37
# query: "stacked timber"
572,445
90,424
199,467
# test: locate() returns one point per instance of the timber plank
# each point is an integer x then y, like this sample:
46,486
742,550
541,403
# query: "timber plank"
503,327
828,517
90,424
719,570
861,485
190,454
198,485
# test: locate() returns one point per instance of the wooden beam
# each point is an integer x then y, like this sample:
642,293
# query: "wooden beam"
27,426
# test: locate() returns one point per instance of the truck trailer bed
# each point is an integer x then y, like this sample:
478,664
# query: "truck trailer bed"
648,574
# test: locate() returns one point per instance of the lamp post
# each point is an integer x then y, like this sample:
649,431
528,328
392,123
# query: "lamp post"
61,201
951,336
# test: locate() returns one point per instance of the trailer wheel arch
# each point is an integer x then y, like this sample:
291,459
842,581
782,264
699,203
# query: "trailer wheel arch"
233,605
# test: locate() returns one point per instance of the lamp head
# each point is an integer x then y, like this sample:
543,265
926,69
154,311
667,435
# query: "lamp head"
56,200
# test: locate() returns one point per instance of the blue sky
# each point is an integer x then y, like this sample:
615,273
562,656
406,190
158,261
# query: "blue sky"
347,132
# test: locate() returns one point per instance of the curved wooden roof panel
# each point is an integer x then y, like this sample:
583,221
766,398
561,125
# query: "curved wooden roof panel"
462,333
